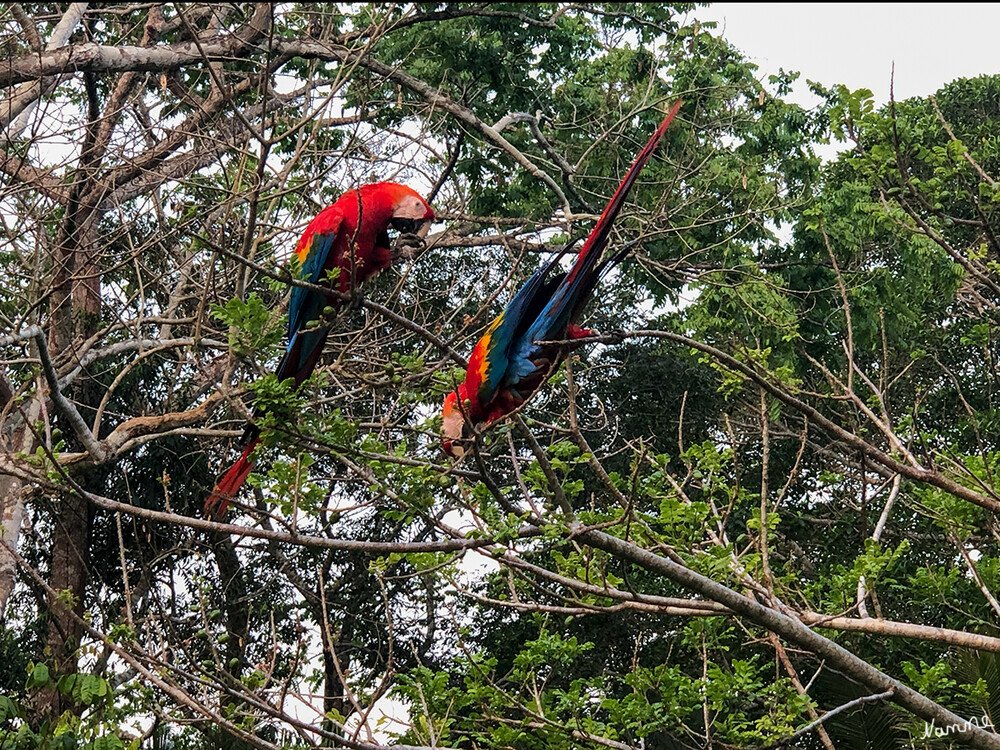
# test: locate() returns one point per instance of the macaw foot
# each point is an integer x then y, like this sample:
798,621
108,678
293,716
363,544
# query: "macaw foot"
616,335
412,240
407,246
357,300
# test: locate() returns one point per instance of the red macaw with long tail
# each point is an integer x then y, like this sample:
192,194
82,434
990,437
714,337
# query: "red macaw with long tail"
510,362
358,221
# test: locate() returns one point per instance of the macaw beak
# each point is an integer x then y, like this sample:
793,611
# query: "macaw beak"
454,448
411,239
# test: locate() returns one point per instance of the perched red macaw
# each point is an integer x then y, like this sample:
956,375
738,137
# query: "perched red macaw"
509,364
359,220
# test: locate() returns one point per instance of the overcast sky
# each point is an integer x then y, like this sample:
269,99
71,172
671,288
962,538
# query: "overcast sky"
856,43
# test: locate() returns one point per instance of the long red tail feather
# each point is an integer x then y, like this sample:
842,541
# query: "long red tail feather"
596,242
231,482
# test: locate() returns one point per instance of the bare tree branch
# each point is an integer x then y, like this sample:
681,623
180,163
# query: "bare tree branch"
14,109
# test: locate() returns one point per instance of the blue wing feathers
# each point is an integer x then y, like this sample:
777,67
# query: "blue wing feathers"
551,321
568,298
517,316
305,305
312,271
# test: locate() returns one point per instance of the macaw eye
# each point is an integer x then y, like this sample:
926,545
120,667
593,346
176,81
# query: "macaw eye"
404,226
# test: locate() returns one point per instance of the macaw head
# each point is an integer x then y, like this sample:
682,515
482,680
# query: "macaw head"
456,431
411,216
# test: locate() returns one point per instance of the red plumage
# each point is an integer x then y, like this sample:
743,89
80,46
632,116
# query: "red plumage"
352,236
511,361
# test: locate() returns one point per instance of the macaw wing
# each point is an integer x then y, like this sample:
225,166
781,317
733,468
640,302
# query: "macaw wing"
549,322
314,257
501,337
304,305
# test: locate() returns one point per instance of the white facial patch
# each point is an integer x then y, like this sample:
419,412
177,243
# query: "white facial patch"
410,207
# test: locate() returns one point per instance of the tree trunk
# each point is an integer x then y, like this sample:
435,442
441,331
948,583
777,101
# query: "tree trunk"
75,310
14,493
70,547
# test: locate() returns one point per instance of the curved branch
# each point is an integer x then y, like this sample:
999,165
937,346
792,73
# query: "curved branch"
830,714
568,169
132,429
303,540
79,427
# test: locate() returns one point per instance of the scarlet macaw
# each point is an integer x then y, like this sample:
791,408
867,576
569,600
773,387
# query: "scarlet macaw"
509,364
350,223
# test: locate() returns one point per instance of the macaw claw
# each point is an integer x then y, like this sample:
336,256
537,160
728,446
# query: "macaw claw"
407,246
617,335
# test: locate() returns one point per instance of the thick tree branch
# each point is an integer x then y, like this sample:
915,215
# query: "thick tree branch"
41,180
13,109
665,605
76,423
103,58
792,631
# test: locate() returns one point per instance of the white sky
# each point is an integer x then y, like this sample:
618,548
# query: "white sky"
855,44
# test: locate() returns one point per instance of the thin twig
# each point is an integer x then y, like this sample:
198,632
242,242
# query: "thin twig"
830,714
